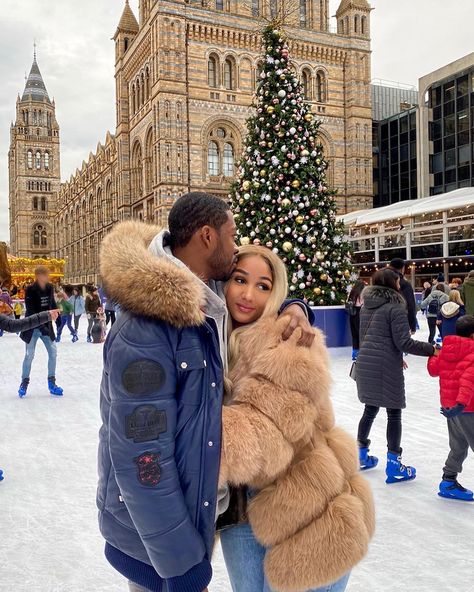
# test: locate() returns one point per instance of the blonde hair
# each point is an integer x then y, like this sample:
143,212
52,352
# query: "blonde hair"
274,302
455,296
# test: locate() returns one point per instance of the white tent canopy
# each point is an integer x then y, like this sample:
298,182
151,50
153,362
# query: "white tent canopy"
459,198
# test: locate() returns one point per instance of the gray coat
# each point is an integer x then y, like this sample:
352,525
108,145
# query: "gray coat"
434,294
385,336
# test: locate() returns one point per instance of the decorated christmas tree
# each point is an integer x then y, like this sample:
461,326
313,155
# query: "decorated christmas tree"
281,198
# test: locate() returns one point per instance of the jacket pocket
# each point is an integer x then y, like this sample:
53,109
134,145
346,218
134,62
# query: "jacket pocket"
190,364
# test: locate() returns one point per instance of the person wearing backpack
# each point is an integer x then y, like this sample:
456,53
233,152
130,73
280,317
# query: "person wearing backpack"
432,304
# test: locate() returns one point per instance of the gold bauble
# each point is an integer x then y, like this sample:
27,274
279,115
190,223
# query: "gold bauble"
245,240
270,144
308,117
241,201
270,109
299,219
285,165
287,246
295,183
347,273
268,219
317,291
263,173
323,277
285,202
246,185
281,134
256,184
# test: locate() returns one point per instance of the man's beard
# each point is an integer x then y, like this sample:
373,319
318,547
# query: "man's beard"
221,268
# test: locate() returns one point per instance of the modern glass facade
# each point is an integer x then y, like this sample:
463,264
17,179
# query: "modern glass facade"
395,164
390,98
451,103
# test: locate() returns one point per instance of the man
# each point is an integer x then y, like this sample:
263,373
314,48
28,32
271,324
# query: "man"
161,394
39,297
406,290
467,293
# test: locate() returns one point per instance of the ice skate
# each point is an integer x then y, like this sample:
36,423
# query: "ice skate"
23,387
454,490
75,338
1,475
396,471
355,353
365,460
54,389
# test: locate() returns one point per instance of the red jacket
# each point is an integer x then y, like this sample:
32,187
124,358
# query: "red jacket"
455,368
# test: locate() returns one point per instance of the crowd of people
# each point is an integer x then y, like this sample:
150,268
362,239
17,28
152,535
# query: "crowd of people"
215,408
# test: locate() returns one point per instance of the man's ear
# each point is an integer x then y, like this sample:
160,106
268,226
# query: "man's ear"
207,236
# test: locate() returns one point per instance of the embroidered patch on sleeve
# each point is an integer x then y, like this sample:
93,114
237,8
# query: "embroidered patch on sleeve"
149,470
145,424
143,378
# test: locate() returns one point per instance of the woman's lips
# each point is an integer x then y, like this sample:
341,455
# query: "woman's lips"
245,309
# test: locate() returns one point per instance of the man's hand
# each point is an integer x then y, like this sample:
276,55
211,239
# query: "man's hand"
299,319
451,412
405,365
54,314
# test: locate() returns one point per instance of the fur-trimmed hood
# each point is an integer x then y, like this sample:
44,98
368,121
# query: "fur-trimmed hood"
377,296
145,284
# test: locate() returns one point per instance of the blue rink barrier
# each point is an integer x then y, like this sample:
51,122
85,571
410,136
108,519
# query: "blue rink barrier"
334,322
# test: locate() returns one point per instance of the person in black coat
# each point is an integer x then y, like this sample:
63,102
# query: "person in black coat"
39,297
28,323
385,337
406,290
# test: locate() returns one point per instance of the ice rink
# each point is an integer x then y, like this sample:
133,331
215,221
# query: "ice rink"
49,540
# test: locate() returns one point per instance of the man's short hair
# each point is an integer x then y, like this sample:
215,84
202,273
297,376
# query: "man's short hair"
441,288
397,264
191,212
465,326
41,270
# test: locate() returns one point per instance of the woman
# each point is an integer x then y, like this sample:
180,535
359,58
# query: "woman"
426,290
66,309
78,307
92,304
450,312
355,303
385,337
432,304
279,439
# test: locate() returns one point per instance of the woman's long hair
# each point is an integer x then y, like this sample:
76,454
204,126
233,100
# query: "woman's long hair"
277,295
455,296
356,291
386,278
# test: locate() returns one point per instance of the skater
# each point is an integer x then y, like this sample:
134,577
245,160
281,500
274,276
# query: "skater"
161,395
353,306
39,297
432,304
467,293
66,309
78,306
6,305
279,439
385,337
109,312
450,312
455,368
92,303
406,290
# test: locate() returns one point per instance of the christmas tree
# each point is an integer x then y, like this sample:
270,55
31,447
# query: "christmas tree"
281,199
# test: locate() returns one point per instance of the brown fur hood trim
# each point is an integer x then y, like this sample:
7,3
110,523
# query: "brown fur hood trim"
145,284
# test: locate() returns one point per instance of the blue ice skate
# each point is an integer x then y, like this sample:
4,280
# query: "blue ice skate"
23,387
75,338
454,490
355,353
54,389
365,460
1,475
396,471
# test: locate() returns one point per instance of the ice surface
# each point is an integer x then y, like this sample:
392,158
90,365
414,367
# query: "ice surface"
49,541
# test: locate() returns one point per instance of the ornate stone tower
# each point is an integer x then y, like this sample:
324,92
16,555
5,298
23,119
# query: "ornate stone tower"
34,170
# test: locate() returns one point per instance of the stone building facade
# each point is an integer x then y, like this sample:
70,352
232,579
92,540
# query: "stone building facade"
186,73
34,170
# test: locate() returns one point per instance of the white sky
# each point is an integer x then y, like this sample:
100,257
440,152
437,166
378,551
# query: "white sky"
76,57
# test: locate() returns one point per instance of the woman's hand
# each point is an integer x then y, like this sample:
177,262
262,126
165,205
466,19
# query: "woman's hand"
298,319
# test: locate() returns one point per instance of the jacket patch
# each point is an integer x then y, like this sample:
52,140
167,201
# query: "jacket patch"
149,470
143,378
145,424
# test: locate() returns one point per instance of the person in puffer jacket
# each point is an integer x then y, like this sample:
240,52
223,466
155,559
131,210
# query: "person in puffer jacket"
455,368
450,313
310,513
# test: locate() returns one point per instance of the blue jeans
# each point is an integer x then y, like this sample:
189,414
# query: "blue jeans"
244,557
66,320
30,354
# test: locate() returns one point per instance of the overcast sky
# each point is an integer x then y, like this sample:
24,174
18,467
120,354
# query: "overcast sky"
75,54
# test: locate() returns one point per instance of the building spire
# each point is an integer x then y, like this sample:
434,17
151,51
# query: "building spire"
34,50
35,89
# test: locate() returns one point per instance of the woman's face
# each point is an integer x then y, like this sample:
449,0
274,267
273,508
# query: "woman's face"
249,289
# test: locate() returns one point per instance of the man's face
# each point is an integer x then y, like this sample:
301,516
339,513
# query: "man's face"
224,258
42,279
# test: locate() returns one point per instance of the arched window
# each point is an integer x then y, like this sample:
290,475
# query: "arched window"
220,4
138,94
46,160
40,236
273,8
43,204
212,77
356,23
143,98
30,159
228,160
363,25
133,99
125,44
347,26
213,159
137,172
44,238
149,162
35,203
303,13
38,160
320,87
229,74
147,82
306,83
255,7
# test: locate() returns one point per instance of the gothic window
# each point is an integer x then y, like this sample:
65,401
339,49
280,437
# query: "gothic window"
133,99
306,82
213,159
363,25
138,93
149,162
137,172
46,160
179,118
320,87
43,204
147,82
99,208
347,26
108,201
30,159
38,160
273,8
303,13
40,236
179,150
35,117
228,160
212,77
125,44
35,203
229,74
356,23
255,7
220,4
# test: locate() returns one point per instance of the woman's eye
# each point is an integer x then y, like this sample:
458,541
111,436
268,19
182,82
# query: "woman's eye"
264,287
239,280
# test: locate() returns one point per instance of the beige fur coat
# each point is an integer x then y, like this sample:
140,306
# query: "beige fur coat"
314,511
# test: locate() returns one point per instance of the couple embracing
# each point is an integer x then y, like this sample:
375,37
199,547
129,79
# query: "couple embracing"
217,418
